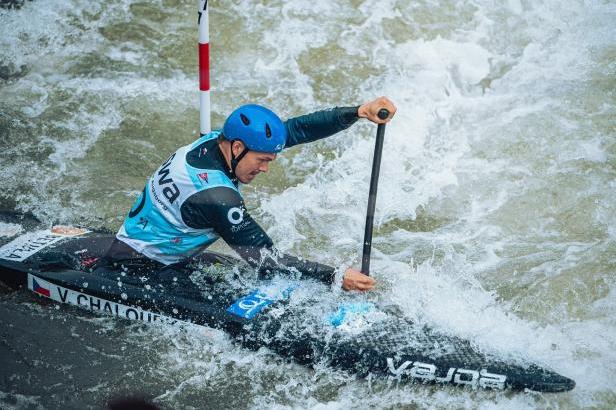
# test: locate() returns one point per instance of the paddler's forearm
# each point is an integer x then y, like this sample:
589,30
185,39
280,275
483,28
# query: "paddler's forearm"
268,261
320,124
308,269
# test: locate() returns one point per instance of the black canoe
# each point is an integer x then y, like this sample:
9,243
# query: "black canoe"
357,337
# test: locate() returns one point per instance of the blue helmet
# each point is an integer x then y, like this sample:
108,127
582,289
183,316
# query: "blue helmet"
257,127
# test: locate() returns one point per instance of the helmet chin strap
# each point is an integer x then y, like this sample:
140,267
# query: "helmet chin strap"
236,160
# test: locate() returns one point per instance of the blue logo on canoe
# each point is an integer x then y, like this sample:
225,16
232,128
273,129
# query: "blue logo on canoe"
248,306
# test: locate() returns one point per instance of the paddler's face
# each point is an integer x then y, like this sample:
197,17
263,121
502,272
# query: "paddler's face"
252,164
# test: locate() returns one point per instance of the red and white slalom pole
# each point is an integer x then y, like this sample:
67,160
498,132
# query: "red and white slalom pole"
204,68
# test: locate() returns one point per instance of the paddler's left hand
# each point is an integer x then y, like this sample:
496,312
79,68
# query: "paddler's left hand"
371,109
355,280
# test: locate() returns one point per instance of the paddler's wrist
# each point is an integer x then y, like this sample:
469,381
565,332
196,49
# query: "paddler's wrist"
362,111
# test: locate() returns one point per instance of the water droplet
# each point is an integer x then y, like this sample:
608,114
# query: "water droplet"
124,296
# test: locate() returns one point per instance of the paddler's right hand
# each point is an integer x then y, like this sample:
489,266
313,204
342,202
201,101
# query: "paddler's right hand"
355,280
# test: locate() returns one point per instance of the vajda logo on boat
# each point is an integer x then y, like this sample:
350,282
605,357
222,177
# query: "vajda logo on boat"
428,372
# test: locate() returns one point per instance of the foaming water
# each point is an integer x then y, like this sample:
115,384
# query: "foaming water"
88,77
495,215
491,183
9,230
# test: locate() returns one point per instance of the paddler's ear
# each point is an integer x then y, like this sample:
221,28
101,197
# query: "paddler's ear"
238,147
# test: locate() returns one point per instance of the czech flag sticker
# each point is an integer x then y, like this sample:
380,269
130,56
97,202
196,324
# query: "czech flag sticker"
37,288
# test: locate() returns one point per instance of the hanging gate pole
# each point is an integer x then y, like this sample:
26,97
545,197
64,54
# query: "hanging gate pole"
204,68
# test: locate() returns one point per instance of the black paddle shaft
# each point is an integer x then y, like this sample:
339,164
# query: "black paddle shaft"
374,183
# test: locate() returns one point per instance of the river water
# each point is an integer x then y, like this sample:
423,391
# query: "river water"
496,215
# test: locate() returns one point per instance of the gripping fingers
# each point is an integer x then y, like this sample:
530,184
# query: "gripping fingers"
371,109
355,280
359,282
366,282
364,286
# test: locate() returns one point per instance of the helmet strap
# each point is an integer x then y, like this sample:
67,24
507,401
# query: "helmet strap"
236,160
